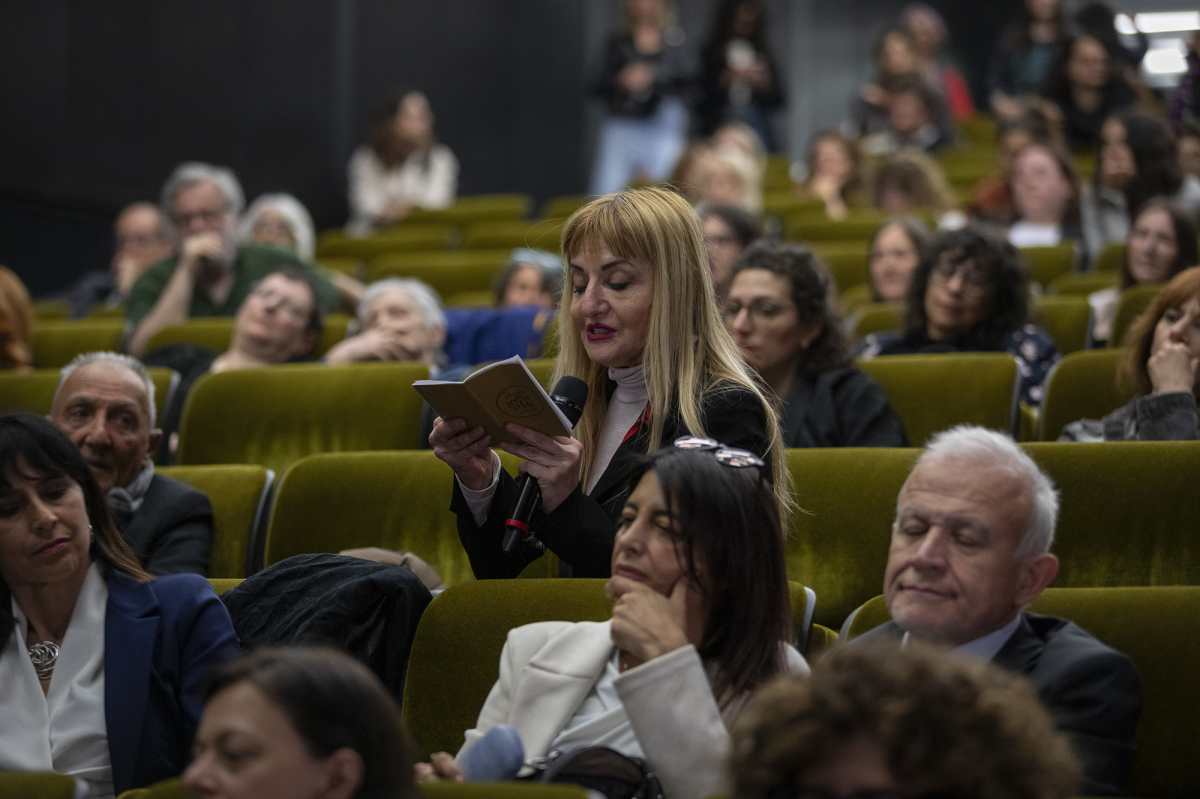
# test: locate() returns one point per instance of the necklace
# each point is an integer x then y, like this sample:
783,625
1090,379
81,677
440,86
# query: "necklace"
44,655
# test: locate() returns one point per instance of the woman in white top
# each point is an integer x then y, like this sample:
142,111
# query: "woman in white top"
1045,192
701,617
102,667
401,168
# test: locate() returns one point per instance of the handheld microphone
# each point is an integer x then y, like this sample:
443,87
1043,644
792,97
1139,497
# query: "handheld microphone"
570,395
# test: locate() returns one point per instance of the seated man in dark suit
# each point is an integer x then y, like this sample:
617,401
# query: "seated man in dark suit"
970,549
105,405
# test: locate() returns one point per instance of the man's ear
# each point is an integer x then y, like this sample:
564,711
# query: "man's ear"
155,439
344,772
1037,573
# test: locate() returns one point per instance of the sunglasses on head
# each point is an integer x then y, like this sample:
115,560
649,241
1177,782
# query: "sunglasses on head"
727,456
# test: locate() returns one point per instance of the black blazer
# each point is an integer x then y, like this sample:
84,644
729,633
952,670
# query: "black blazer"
1092,691
839,408
581,530
172,530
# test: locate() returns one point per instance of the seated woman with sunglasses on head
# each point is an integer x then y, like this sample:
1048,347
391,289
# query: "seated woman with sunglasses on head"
701,617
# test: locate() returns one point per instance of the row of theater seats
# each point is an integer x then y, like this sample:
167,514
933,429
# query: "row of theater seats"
275,416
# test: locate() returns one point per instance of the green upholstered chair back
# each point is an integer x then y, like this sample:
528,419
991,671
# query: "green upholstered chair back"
455,656
1068,320
36,785
1044,264
222,584
1083,282
215,332
34,391
476,208
55,343
448,272
848,267
1129,511
934,392
402,238
877,317
1083,385
1156,628
563,205
1111,258
239,495
858,227
397,500
542,234
500,790
1130,305
277,415
838,540
854,298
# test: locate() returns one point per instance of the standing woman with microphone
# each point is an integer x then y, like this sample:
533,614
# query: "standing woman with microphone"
642,329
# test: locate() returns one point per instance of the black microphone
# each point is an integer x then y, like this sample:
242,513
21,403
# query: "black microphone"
570,395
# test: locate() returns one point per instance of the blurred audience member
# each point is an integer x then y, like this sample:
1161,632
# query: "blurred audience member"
727,231
1185,100
739,80
1188,147
399,319
644,76
1045,194
1024,55
909,722
1099,20
897,68
278,220
992,197
741,138
729,177
1160,245
532,277
928,32
970,550
1162,363
299,722
833,173
104,403
896,250
908,182
16,322
1138,161
1086,89
971,294
910,121
780,313
143,236
211,275
401,167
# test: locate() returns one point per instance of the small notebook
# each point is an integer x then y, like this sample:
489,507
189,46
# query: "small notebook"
493,396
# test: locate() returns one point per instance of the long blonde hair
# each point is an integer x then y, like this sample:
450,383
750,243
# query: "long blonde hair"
688,352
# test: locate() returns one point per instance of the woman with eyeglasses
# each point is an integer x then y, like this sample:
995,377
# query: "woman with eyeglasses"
640,325
700,619
780,313
971,294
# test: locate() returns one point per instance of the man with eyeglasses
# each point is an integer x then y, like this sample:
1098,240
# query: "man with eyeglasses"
210,275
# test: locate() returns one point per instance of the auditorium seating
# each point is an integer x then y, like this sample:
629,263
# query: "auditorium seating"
334,243
34,391
1083,385
222,584
933,392
274,416
216,332
542,234
456,652
448,272
857,227
1130,305
1044,264
467,210
239,495
55,343
847,267
877,317
36,785
561,207
1110,259
1083,282
1156,628
1068,320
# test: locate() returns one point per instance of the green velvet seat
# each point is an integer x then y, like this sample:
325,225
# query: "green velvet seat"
877,317
34,391
854,298
934,392
36,785
858,227
448,272
1111,258
1067,318
1044,264
238,494
275,416
342,264
1130,305
838,541
500,790
455,656
470,299
51,309
401,238
220,585
848,267
541,234
215,333
469,209
1083,385
1083,282
55,343
1156,628
562,206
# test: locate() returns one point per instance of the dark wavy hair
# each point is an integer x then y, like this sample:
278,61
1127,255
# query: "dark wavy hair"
33,448
947,726
745,226
1185,238
333,702
1008,288
1155,159
730,534
382,137
1139,341
811,292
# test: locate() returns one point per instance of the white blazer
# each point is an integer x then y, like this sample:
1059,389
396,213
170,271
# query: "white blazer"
547,670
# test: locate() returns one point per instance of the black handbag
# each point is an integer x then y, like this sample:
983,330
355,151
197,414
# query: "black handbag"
600,769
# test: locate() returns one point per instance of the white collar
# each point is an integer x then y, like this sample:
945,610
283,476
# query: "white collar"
986,646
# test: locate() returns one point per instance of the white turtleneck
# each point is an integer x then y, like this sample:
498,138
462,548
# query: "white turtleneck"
625,405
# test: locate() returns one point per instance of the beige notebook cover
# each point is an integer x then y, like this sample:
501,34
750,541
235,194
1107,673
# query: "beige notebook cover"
502,392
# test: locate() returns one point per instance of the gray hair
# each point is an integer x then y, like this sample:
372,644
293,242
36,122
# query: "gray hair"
192,172
426,299
116,359
293,212
999,450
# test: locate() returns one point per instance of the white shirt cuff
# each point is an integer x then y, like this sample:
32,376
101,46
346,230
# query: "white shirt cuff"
480,502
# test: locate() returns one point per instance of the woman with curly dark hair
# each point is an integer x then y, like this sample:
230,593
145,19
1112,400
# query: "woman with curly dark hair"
781,314
971,294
